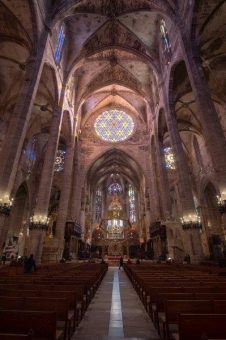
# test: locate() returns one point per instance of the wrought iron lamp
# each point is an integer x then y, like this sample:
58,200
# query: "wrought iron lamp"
40,222
192,221
221,204
5,205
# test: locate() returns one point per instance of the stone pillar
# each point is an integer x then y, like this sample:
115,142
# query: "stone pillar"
155,196
65,193
45,184
211,127
4,226
77,187
163,181
182,169
192,240
20,119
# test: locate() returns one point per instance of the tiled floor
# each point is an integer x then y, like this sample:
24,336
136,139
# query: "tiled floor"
116,313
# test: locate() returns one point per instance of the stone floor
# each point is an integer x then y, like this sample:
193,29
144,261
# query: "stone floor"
116,313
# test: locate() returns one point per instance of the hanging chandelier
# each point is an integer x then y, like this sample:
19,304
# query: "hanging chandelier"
40,222
6,204
221,204
192,221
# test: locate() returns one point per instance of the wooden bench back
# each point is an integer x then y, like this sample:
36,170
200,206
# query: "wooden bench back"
163,297
210,296
43,324
199,326
219,306
176,307
69,295
4,336
59,305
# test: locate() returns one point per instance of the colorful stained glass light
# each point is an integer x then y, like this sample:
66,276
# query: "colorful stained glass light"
114,126
59,161
169,158
132,204
60,45
115,188
165,41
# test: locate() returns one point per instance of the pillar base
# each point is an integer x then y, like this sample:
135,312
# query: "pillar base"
52,250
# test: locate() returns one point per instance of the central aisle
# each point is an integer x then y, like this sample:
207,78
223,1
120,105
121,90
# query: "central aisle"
116,312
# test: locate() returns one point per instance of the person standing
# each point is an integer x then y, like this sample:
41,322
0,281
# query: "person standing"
30,265
3,258
121,263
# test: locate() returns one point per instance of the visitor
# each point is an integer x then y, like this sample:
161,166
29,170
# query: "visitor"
187,259
137,261
121,263
30,265
3,258
12,260
129,261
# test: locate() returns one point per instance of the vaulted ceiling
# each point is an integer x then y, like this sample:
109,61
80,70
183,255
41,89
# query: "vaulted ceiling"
111,53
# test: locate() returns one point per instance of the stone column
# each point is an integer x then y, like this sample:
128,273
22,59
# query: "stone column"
20,119
182,169
65,193
211,127
155,196
77,187
45,185
163,180
4,226
184,182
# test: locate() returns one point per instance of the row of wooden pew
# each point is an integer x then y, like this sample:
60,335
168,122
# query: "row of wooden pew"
49,303
183,302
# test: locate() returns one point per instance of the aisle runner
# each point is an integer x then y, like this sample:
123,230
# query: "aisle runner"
116,323
116,313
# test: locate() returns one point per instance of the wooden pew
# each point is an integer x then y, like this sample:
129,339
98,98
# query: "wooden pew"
173,308
58,305
69,295
41,323
4,336
219,306
158,307
201,326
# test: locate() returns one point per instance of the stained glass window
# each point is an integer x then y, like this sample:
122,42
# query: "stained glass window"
60,45
115,188
114,126
165,41
59,161
132,204
169,158
31,154
99,200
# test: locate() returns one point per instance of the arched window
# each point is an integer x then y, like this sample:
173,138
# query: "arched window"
132,204
169,158
114,125
165,41
98,203
60,45
60,159
31,154
115,188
